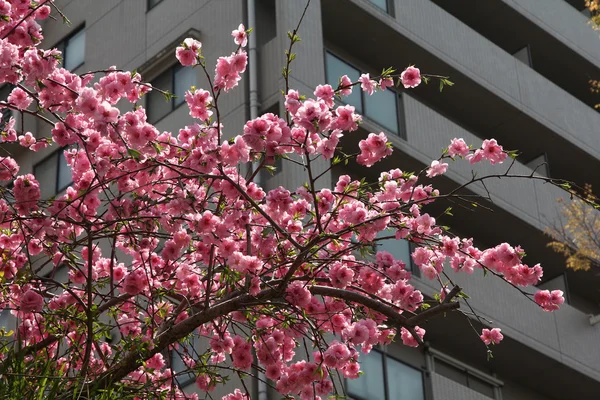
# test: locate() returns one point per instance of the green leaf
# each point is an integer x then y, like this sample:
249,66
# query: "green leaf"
136,155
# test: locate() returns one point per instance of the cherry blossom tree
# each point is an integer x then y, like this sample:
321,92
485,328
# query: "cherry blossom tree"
168,234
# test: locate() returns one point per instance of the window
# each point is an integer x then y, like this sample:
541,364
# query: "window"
381,4
176,80
6,112
540,165
73,49
386,378
467,376
266,22
337,68
399,249
152,4
381,107
178,366
53,173
524,55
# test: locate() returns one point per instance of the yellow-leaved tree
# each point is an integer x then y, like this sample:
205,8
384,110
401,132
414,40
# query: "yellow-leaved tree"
578,238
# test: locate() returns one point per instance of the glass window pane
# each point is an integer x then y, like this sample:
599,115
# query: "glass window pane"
370,385
65,178
400,249
381,107
157,105
404,382
336,68
152,3
7,321
45,173
61,47
75,51
540,165
451,372
6,112
381,4
177,364
184,78
481,386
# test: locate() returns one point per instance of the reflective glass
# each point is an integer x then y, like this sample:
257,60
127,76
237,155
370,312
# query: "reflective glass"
404,382
337,68
400,249
177,364
152,3
184,78
45,173
381,4
157,105
75,51
370,385
65,177
381,107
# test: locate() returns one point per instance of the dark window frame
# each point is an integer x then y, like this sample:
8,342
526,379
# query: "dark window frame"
398,97
188,378
544,166
57,154
389,7
175,102
384,356
150,5
529,57
468,374
64,42
6,113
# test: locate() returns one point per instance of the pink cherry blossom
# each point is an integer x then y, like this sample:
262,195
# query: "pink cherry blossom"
19,98
8,168
346,85
549,301
411,77
458,147
386,82
188,52
240,37
492,336
408,339
436,168
31,302
373,149
367,84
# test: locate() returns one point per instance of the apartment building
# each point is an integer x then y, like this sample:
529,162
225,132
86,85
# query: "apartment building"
521,71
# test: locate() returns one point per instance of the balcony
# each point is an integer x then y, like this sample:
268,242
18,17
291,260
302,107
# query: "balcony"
564,22
495,94
447,389
492,67
566,336
427,132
